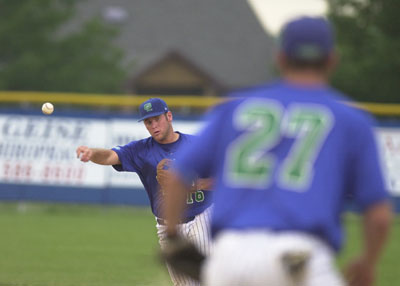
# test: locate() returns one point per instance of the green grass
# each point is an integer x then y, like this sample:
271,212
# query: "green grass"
69,245
388,273
77,245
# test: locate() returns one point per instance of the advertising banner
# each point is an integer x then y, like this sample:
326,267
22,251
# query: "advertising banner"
40,150
389,142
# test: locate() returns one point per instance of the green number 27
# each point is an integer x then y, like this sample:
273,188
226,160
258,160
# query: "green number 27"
250,160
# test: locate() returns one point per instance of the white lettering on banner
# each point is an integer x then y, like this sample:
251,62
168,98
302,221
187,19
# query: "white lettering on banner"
38,128
41,150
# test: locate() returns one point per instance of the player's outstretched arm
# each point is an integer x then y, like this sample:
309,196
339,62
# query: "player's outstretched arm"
377,222
97,155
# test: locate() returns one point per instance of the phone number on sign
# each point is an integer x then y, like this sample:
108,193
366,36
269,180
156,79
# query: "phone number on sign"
45,173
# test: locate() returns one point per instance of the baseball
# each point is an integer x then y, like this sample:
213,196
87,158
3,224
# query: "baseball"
47,108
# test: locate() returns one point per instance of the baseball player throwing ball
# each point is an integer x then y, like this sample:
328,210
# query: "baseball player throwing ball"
150,158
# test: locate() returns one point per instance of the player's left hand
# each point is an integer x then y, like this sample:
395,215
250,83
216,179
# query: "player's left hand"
360,272
183,256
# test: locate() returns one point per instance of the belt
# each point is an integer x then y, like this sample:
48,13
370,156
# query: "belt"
186,220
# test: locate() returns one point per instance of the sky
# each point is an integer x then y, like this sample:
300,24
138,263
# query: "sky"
274,13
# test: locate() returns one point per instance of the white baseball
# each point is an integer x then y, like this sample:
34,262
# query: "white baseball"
47,108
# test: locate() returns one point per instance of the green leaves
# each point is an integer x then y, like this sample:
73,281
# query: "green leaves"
368,35
38,53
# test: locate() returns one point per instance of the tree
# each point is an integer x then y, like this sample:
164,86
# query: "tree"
368,35
36,53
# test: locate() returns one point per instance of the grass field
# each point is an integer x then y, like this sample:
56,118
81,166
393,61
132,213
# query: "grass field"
75,245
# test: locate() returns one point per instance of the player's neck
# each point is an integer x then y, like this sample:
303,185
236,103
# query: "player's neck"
306,77
170,138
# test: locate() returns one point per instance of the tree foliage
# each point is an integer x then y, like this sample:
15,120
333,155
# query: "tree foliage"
36,52
368,35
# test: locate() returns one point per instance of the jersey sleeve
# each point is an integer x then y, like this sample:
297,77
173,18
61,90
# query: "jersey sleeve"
196,159
127,155
368,186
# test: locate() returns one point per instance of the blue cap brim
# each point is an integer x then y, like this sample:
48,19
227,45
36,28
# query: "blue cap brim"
152,115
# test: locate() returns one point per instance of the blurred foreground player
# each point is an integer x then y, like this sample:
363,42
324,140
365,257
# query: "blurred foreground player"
150,159
286,157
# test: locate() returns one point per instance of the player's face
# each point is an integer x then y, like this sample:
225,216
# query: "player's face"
160,127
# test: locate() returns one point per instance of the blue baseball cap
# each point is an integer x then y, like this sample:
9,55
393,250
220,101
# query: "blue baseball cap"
307,38
152,107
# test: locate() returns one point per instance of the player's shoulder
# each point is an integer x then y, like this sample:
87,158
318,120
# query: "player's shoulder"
253,91
348,109
237,96
349,117
185,136
234,98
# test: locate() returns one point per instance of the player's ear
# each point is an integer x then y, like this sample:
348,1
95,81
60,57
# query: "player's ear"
169,116
333,60
281,61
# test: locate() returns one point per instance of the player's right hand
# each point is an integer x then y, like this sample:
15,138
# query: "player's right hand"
84,153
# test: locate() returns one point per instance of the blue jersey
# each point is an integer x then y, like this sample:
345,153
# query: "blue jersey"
286,157
142,157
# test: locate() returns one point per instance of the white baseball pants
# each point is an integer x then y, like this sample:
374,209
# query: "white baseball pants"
198,232
254,258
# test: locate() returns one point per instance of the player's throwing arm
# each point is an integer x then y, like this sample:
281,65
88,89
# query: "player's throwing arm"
97,155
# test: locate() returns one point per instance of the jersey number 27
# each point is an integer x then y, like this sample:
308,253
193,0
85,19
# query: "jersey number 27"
250,162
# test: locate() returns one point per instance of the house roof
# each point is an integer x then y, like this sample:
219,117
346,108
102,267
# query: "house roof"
222,38
175,56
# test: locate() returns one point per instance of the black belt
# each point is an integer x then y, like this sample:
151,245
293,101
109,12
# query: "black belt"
186,220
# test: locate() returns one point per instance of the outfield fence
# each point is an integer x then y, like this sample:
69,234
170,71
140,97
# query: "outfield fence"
38,161
133,100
